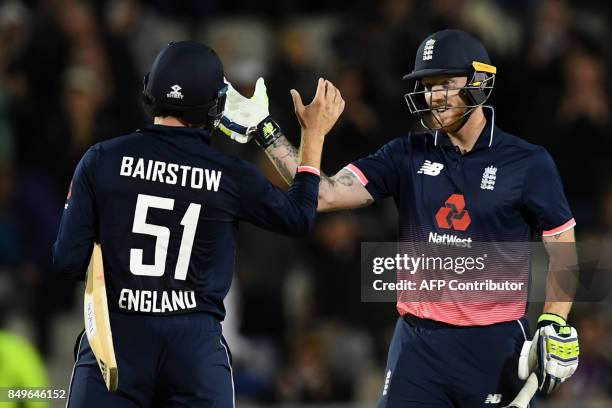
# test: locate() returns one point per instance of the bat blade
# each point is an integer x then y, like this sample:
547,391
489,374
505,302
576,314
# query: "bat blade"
97,320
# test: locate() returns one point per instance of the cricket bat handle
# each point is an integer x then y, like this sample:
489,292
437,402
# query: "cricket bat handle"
526,393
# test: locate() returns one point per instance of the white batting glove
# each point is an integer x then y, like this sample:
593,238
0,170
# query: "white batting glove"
552,354
242,115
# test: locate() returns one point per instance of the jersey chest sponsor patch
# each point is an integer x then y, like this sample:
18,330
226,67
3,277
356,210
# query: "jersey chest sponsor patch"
467,195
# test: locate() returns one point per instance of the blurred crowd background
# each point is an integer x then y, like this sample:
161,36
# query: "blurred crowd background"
71,75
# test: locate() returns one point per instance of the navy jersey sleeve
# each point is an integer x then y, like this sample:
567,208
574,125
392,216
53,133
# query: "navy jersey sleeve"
378,172
543,196
72,249
269,207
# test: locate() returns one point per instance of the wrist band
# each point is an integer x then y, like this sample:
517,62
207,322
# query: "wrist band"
309,169
267,132
547,318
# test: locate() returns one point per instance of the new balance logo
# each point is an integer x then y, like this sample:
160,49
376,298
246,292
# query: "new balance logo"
431,168
493,399
387,380
488,178
428,49
175,93
268,129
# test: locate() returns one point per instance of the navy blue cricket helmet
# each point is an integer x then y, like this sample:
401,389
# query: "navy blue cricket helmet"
451,53
186,81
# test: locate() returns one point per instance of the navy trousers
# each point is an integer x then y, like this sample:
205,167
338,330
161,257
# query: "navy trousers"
163,361
432,364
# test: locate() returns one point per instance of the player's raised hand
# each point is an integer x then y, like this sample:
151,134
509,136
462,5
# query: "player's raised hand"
318,117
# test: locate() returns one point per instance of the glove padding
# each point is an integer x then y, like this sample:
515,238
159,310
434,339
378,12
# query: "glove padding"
242,115
552,354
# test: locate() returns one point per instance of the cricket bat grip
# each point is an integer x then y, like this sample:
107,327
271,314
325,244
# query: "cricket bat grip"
526,393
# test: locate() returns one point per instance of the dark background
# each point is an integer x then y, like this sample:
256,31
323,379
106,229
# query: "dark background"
71,74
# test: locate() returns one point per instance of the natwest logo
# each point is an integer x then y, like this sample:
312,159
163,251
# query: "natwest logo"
454,215
450,239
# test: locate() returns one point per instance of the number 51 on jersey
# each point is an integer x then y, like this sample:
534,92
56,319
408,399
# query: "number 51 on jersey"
162,235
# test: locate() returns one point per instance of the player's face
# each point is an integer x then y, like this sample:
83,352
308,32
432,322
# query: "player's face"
444,98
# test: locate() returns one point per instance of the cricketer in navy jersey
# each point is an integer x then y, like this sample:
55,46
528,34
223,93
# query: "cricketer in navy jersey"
523,194
463,181
165,207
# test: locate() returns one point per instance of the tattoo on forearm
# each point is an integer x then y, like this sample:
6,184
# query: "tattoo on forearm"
343,178
346,180
329,182
282,168
285,158
283,148
325,187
